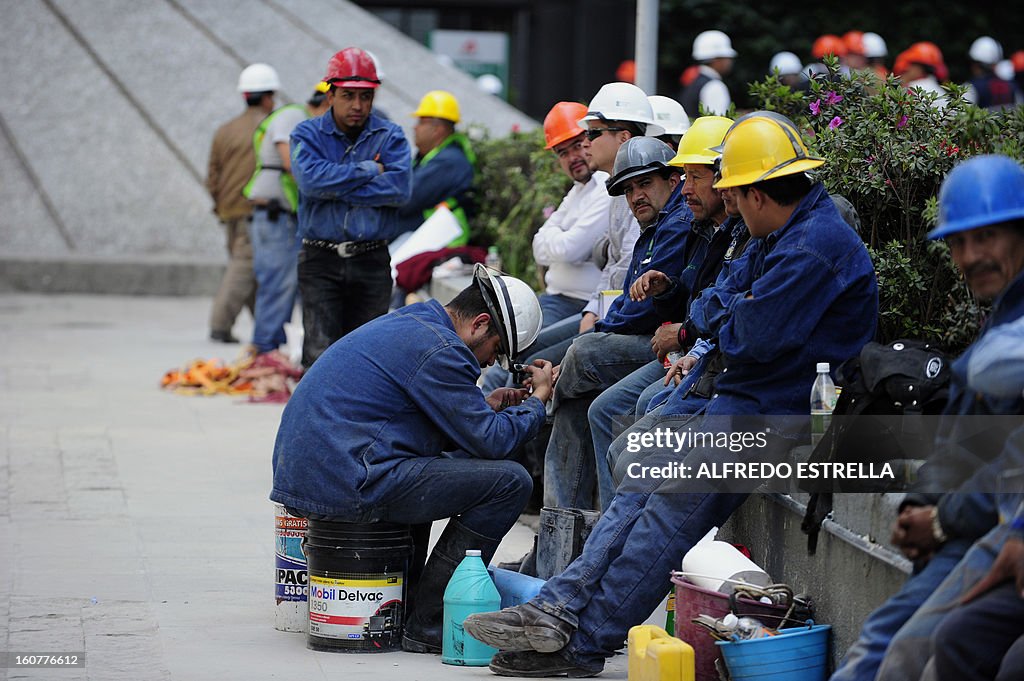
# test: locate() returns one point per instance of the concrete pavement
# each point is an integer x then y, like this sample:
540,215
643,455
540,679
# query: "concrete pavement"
135,523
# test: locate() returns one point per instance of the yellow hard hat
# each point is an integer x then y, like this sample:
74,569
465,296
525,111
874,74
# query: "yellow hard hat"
762,148
438,104
695,146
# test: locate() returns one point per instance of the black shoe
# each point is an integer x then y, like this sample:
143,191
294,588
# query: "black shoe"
523,627
223,337
531,664
424,624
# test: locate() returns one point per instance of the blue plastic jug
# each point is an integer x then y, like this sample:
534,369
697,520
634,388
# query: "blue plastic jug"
514,588
469,591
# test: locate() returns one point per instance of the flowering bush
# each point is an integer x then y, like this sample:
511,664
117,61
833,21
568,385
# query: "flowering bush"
887,150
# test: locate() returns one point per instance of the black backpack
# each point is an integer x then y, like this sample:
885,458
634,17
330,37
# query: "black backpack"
898,379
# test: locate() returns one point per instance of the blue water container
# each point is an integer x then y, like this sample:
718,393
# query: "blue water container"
515,589
469,591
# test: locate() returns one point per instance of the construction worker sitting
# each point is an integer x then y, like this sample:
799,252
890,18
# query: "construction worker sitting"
407,437
444,166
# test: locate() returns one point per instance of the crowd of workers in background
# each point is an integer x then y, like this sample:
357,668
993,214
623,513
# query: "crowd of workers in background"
737,273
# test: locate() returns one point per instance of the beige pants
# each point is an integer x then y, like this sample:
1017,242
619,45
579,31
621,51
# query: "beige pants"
238,287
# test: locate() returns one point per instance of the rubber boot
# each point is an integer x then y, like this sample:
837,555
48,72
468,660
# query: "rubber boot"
424,626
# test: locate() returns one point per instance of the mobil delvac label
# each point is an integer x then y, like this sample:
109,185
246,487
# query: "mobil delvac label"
289,561
364,608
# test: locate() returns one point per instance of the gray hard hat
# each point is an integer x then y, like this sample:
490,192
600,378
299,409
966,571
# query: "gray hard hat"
639,156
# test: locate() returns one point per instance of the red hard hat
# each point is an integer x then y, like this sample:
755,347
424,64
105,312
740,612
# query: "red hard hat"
854,41
1017,59
922,53
562,123
352,68
828,44
626,72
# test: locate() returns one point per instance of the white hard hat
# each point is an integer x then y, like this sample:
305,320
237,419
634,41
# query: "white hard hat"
1004,69
258,78
874,45
515,309
490,83
986,50
669,114
622,102
785,64
712,44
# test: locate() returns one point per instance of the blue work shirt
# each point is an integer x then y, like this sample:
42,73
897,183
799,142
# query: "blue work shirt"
806,293
343,196
669,246
446,175
966,461
401,387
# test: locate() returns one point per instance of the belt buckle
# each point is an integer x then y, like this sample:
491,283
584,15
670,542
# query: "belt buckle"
346,249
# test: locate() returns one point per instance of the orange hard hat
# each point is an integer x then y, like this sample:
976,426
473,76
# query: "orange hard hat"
828,44
854,41
925,53
562,123
689,75
626,73
1017,59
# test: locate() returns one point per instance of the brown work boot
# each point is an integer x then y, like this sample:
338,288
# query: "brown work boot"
531,664
523,627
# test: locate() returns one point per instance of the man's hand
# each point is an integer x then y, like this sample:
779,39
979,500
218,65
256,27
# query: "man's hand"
677,371
588,321
1009,564
666,340
541,380
912,532
380,167
650,283
506,397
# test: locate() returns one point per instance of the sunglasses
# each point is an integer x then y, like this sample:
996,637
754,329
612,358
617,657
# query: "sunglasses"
594,133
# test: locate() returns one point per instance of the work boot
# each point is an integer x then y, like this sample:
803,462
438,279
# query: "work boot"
423,628
523,627
223,337
531,664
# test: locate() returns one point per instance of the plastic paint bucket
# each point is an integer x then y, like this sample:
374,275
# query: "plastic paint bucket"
357,585
291,612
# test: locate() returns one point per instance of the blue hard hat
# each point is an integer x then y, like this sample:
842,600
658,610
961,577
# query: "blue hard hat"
984,190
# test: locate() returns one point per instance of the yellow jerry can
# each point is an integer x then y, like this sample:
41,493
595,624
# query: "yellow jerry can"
654,655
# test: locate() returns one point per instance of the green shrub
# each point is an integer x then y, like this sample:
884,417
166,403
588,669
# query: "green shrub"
517,180
887,150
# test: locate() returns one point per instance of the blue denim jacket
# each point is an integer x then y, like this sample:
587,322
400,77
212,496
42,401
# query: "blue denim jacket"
814,299
669,246
399,388
962,460
342,196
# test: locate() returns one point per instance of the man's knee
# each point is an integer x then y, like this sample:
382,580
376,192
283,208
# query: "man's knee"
515,481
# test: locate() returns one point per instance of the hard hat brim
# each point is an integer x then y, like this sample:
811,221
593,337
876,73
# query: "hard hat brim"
753,177
976,221
355,85
614,184
564,137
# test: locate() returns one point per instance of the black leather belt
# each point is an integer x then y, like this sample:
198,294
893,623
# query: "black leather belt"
346,249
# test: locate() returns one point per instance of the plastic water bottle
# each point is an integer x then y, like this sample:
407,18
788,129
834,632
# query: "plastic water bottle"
823,401
469,591
493,259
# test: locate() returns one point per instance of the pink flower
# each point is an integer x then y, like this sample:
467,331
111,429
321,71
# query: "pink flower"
832,98
903,121
816,107
835,123
548,211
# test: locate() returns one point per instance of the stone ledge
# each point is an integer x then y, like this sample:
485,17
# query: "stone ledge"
134,275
